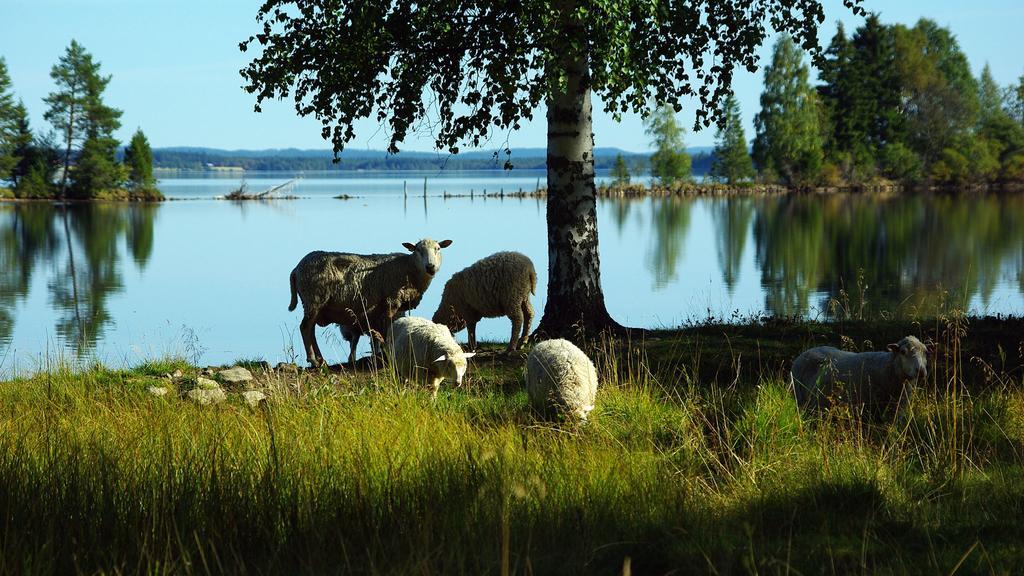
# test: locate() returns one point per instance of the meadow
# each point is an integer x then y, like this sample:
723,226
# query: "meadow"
696,460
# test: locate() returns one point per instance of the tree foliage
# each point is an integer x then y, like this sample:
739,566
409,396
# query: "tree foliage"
138,159
670,163
620,172
788,144
9,116
485,66
732,161
85,123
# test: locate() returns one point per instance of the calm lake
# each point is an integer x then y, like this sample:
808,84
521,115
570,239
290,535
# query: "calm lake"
208,279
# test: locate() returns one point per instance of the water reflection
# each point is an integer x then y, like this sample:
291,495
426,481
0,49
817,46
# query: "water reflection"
670,221
732,218
81,243
897,255
116,273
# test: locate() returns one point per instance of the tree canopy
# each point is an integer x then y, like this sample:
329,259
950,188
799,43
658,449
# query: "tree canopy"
732,162
670,163
471,69
788,144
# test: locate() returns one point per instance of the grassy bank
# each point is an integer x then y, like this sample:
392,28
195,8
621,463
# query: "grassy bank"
696,459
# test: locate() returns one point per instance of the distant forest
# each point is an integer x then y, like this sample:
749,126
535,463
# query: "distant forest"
291,160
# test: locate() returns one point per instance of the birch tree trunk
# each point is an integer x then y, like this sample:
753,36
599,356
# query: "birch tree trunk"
575,301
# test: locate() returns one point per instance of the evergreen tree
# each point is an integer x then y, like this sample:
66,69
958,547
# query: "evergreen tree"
24,145
8,124
76,110
670,163
877,96
1015,101
788,142
620,172
732,161
844,106
990,97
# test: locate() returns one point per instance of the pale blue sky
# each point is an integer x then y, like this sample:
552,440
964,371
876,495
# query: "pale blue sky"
175,67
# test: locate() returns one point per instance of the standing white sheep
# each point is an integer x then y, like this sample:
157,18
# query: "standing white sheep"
498,285
422,351
560,376
824,374
361,293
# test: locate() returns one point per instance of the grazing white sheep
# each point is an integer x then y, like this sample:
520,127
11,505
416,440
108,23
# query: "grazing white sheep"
560,376
824,374
498,285
360,292
422,351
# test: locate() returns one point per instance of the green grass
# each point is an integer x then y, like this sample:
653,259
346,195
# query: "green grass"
696,460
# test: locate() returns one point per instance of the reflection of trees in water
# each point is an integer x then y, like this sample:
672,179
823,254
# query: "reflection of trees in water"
85,277
788,234
27,237
670,221
909,251
732,218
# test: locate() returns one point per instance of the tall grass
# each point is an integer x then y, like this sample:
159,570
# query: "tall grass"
362,474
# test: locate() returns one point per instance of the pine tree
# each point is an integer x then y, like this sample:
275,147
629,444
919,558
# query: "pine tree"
24,144
8,124
620,172
84,122
670,163
732,161
138,159
788,143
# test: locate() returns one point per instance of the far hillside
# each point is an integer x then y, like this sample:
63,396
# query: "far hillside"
291,159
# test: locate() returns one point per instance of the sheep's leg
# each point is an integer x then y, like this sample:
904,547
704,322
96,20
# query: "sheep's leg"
527,320
307,330
353,343
435,383
516,316
471,328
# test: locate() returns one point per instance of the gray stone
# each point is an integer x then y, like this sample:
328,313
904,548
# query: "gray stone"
254,397
236,376
157,390
205,397
206,384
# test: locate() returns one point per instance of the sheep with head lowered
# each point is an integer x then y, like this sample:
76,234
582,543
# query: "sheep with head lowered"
873,380
560,377
498,285
361,293
422,351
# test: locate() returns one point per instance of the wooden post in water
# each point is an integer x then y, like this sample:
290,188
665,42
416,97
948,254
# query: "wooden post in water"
424,186
405,188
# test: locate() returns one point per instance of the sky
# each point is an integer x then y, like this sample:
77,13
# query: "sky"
175,69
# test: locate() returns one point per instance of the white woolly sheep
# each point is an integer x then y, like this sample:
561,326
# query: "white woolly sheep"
422,351
360,292
498,285
560,376
875,380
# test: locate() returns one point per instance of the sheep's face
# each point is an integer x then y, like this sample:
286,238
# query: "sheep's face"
427,255
910,358
454,367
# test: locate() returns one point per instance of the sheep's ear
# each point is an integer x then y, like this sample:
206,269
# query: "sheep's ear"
894,348
408,246
442,358
444,243
468,354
